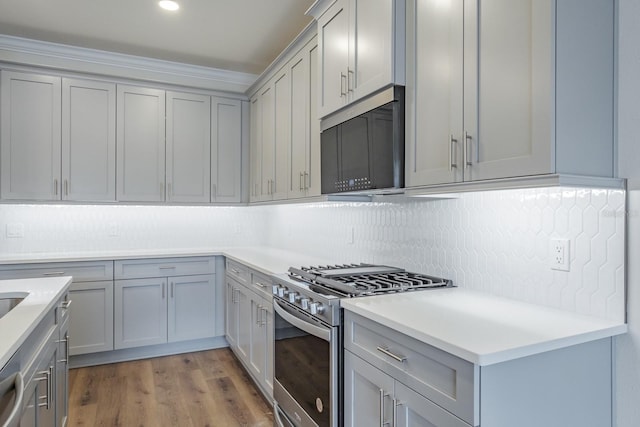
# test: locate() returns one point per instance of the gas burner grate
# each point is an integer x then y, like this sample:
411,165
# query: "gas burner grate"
352,280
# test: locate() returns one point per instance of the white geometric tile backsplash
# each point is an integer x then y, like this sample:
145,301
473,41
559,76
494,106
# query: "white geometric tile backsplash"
496,242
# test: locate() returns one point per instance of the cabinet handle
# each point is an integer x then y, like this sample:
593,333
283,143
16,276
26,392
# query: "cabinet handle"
452,144
172,287
343,80
350,78
55,186
258,314
264,317
163,291
394,416
306,186
214,191
467,158
54,273
167,267
300,181
47,377
66,187
386,351
382,396
234,292
66,304
234,271
170,190
66,346
162,189
262,285
255,189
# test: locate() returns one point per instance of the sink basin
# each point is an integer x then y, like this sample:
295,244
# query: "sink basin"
9,302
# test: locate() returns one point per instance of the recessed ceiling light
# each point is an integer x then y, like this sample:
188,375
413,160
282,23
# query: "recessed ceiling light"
169,5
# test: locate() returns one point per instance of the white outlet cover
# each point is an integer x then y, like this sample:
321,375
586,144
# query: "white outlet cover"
15,230
559,254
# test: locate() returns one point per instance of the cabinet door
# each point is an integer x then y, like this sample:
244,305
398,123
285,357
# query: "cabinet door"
192,302
257,348
267,143
333,42
226,150
244,323
255,149
508,88
188,147
62,375
231,315
434,99
414,410
371,38
368,394
268,326
30,136
313,161
299,69
140,311
282,133
91,317
88,140
140,144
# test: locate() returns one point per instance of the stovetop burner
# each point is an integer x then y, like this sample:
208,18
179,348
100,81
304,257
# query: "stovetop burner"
352,280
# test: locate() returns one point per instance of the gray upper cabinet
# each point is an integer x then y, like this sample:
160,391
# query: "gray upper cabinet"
30,136
534,96
226,150
305,126
140,144
188,147
88,140
255,148
361,47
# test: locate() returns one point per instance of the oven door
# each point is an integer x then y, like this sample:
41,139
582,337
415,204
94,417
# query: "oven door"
306,383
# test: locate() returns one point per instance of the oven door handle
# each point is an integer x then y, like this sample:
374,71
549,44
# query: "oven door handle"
16,382
317,331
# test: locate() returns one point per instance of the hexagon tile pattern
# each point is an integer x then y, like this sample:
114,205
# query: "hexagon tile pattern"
497,242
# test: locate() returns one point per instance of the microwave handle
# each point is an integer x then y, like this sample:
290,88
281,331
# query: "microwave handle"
16,382
317,331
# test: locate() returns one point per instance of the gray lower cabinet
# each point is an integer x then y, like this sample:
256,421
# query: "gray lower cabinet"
163,300
249,328
393,379
366,387
91,313
43,362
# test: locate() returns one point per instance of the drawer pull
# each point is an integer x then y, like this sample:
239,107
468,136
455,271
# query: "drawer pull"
54,273
234,271
262,285
167,267
385,350
66,304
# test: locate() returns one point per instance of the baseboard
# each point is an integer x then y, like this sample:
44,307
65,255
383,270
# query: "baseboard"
137,353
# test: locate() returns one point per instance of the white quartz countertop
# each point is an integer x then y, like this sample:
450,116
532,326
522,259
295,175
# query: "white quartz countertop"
261,258
481,328
41,296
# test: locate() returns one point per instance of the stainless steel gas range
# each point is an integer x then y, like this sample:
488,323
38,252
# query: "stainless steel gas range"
308,336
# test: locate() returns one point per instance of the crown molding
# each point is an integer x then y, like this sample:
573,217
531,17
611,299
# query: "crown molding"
23,51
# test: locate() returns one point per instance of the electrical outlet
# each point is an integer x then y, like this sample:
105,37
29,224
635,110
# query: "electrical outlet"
559,254
15,230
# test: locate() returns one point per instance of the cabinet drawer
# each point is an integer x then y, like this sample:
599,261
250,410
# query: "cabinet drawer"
441,377
261,284
166,267
239,272
85,271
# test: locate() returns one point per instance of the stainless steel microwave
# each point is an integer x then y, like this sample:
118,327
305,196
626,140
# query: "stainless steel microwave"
362,146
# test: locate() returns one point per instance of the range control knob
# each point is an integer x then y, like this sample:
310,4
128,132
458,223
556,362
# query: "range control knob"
293,296
304,303
316,308
274,289
282,292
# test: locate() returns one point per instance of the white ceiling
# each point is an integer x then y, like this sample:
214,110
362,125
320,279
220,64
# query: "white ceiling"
237,35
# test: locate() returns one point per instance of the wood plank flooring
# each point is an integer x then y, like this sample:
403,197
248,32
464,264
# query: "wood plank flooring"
203,389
